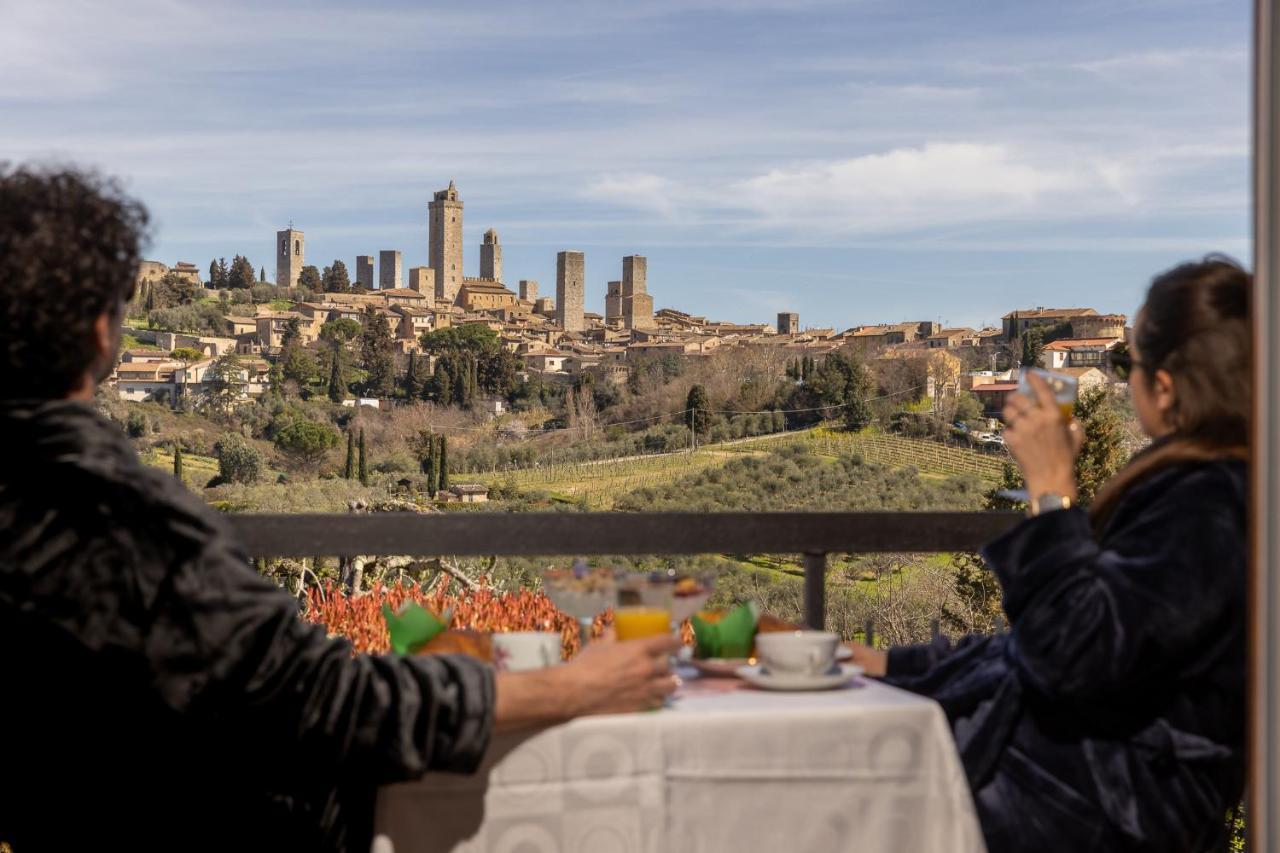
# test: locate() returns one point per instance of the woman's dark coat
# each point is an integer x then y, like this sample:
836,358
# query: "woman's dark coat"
156,693
1111,716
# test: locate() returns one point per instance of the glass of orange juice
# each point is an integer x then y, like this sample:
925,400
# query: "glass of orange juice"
633,623
1064,386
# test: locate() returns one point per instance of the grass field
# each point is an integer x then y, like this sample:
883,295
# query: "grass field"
928,457
196,470
599,483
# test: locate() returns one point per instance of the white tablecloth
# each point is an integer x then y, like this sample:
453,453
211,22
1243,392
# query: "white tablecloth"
727,768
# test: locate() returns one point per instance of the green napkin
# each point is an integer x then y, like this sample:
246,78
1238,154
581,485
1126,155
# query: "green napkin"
412,627
731,637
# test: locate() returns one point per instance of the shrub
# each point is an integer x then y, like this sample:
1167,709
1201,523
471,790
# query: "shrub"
306,442
137,425
238,460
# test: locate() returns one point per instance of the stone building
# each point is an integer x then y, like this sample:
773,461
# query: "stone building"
570,291
528,290
544,305
423,280
613,303
637,304
1101,326
291,254
491,256
788,324
364,271
1015,323
484,294
389,269
153,271
445,251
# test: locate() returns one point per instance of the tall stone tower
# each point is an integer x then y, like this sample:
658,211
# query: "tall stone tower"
423,280
389,269
364,271
528,290
570,291
613,302
637,304
788,323
446,242
491,256
291,253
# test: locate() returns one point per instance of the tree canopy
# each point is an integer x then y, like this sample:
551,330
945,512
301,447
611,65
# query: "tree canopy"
377,353
309,277
336,279
241,273
306,441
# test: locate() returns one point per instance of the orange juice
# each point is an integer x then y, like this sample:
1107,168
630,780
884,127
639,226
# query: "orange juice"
632,623
1068,410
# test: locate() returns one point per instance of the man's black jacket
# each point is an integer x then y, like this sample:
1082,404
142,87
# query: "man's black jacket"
156,693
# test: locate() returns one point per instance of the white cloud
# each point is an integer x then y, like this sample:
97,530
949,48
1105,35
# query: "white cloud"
937,184
646,192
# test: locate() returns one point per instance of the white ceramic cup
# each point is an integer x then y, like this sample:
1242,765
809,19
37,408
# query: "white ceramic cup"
521,650
798,652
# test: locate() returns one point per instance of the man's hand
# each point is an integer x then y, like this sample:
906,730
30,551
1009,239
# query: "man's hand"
607,677
1044,445
610,677
874,661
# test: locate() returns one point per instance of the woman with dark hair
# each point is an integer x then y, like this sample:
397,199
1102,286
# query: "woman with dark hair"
1111,716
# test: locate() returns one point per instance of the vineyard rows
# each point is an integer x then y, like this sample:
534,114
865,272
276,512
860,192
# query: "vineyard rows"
602,480
896,451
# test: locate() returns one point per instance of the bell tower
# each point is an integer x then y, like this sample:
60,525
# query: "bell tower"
291,253
445,250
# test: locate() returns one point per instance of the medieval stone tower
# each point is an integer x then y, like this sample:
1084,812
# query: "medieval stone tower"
291,253
570,291
637,304
364,271
491,256
390,270
445,248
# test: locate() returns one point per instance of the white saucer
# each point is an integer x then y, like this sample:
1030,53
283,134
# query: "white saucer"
839,676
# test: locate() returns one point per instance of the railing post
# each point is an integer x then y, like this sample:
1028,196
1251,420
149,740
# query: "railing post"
815,590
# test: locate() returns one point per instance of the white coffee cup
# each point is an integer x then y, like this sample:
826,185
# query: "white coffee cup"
521,650
798,652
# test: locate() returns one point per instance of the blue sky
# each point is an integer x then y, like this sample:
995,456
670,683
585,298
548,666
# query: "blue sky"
857,162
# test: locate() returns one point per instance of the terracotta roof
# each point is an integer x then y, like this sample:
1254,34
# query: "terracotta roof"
993,387
1078,343
1050,313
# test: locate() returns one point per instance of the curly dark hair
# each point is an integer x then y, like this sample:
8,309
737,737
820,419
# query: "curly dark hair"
69,251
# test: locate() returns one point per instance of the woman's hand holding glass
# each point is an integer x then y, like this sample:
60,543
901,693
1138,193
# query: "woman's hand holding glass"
1044,445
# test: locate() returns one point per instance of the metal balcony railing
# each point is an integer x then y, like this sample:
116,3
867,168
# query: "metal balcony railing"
813,534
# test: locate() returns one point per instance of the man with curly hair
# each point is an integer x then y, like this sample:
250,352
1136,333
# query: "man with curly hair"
155,692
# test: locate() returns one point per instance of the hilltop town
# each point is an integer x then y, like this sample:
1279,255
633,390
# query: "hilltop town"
552,337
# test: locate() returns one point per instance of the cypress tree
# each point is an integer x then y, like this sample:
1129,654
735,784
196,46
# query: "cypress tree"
433,469
444,464
337,387
411,378
262,274
350,471
364,471
177,463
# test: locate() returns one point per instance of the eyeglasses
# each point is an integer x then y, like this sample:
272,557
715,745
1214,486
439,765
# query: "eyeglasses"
1122,362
